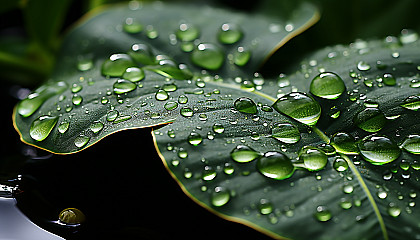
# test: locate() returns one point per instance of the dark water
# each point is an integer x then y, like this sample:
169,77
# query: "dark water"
120,184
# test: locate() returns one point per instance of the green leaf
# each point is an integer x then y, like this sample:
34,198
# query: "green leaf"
87,97
369,132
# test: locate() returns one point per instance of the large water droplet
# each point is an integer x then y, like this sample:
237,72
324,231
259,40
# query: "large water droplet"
187,32
299,106
245,105
340,165
313,158
243,154
327,85
388,79
220,196
370,120
393,210
286,132
344,143
378,150
116,65
142,53
411,103
122,86
412,144
208,56
161,95
230,33
275,165
133,74
42,126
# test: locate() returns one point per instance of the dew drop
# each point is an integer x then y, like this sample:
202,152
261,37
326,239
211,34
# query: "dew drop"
132,26
170,105
122,86
411,103
389,80
378,150
299,106
218,128
220,196
393,210
265,207
313,158
412,144
286,133
133,74
96,127
241,56
230,33
182,99
151,32
245,105
187,32
327,85
322,214
81,141
363,66
77,99
116,65
340,165
161,95
186,112
75,88
112,115
71,216
208,56
208,173
243,154
370,120
42,127
63,127
382,194
195,139
275,165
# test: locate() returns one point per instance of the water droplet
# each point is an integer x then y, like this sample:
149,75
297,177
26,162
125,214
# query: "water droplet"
151,32
389,80
243,154
245,105
345,203
340,165
41,127
63,127
265,207
81,141
218,128
412,144
208,56
133,74
363,66
161,95
208,173
378,150
370,120
195,139
142,53
299,106
230,33
182,99
112,115
132,26
348,188
220,196
171,105
186,112
275,165
382,194
96,127
71,216
122,86
286,133
322,214
411,103
408,36
228,168
393,210
75,88
84,63
187,32
241,56
182,153
116,65
327,85
77,99
344,143
313,158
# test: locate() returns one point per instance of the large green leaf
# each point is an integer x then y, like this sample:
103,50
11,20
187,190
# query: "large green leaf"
369,186
83,102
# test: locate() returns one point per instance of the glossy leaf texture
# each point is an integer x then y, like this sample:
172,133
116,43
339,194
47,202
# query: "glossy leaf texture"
131,66
352,173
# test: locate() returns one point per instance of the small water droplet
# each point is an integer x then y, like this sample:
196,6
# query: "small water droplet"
133,74
71,216
187,32
116,65
77,99
96,127
151,32
243,154
195,139
340,165
161,95
370,120
186,112
275,165
378,150
313,158
208,56
230,33
382,194
142,53
241,56
389,80
322,214
412,144
41,127
245,105
208,173
132,26
170,105
81,141
299,106
75,88
265,207
408,36
218,128
393,210
122,86
363,66
327,85
286,133
63,127
411,103
344,143
112,115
